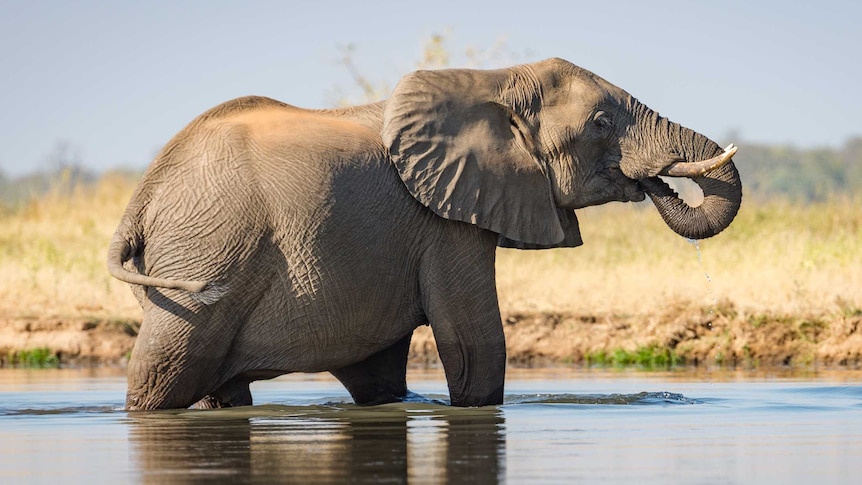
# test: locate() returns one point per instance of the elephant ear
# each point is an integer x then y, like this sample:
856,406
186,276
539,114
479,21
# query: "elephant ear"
466,154
571,231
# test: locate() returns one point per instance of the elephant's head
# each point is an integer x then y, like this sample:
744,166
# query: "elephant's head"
516,150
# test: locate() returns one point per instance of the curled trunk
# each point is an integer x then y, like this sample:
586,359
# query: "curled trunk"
722,190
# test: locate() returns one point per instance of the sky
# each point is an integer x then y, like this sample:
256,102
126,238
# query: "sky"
108,83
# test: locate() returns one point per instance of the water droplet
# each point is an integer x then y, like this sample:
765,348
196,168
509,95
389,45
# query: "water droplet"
712,299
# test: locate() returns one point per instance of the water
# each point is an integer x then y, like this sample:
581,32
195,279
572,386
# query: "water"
556,426
712,300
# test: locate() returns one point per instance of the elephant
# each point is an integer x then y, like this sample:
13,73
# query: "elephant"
267,239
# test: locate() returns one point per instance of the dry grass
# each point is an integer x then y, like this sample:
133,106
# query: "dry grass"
52,255
776,258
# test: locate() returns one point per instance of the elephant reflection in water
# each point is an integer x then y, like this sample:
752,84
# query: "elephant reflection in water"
393,444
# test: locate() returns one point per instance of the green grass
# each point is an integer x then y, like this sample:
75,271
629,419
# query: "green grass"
41,358
651,357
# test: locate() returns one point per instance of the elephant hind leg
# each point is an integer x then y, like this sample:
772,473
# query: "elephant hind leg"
210,402
232,393
380,378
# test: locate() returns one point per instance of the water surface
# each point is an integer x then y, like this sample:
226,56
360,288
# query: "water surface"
558,425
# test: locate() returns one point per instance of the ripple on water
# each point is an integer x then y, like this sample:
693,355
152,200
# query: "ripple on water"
414,403
60,411
641,398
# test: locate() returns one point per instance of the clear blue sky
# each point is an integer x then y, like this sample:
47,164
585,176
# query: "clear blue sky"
117,79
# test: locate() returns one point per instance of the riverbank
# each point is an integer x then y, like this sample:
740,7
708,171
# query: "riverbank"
782,285
680,335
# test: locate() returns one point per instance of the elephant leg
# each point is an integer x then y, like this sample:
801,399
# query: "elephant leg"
209,402
232,393
460,300
380,378
473,352
178,353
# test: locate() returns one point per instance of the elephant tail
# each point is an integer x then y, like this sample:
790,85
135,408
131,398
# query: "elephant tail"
121,251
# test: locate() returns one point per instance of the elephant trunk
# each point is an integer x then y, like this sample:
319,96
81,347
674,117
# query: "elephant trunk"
721,186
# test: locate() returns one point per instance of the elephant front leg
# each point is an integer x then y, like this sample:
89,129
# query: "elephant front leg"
460,301
380,378
473,353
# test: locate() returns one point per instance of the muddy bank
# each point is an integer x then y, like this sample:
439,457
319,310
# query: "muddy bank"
684,335
75,341
694,336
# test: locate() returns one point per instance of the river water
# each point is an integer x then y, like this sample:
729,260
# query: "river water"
556,426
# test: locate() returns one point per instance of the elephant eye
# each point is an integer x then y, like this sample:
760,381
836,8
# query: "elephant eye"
602,122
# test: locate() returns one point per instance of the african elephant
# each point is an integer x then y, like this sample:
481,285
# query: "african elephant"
267,239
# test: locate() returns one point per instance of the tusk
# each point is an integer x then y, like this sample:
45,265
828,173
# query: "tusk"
695,169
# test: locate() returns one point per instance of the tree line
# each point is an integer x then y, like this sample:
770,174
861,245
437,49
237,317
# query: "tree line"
800,175
768,172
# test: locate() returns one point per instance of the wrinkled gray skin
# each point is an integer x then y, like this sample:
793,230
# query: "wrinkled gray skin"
267,239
